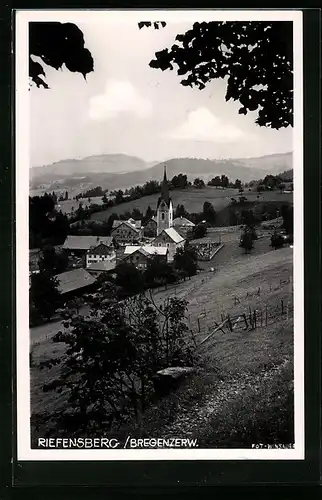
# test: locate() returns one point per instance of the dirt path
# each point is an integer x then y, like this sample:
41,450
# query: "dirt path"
43,332
192,420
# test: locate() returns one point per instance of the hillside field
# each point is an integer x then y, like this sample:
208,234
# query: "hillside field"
241,374
193,200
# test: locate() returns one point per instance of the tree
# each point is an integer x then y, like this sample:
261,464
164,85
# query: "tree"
180,211
119,197
44,294
179,181
256,58
224,181
237,184
209,213
57,44
246,241
287,214
216,181
185,259
199,231
158,272
129,278
199,183
52,261
112,355
247,218
277,240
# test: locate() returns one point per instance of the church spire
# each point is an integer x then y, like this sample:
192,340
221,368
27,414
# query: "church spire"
165,188
165,174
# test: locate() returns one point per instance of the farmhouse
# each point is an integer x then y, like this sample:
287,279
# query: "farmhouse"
74,283
140,256
79,245
183,226
180,222
100,253
170,239
125,232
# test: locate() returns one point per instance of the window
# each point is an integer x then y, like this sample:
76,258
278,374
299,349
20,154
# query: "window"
168,244
162,216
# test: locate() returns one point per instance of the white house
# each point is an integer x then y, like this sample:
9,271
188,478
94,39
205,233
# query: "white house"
170,239
100,253
140,255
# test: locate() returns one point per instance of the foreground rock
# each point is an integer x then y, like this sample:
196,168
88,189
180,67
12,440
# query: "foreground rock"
170,378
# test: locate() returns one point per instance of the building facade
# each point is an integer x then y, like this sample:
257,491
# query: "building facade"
140,256
150,229
100,253
126,233
170,239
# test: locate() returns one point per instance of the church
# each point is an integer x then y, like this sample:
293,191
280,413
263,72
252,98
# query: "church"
164,207
167,236
164,235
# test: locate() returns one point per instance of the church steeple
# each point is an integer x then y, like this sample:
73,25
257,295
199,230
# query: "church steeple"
165,187
164,206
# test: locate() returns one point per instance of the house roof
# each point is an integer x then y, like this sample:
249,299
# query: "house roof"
102,266
73,280
100,249
117,222
148,249
182,221
173,234
126,223
153,219
86,242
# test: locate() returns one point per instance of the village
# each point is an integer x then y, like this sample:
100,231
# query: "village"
130,242
254,292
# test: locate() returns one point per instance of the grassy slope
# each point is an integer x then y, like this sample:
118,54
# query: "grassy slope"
193,200
243,392
244,377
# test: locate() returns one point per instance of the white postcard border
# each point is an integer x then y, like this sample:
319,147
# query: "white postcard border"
24,451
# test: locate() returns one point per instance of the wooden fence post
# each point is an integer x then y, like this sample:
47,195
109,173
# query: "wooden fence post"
229,324
250,317
261,317
282,307
198,324
255,319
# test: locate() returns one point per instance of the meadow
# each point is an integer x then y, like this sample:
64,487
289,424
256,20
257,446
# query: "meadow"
193,200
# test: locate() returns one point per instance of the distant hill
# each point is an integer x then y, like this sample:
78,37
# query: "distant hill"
116,163
123,171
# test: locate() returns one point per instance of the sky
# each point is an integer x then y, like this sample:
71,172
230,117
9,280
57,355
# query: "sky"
127,107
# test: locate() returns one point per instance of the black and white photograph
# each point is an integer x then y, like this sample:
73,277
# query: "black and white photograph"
159,212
